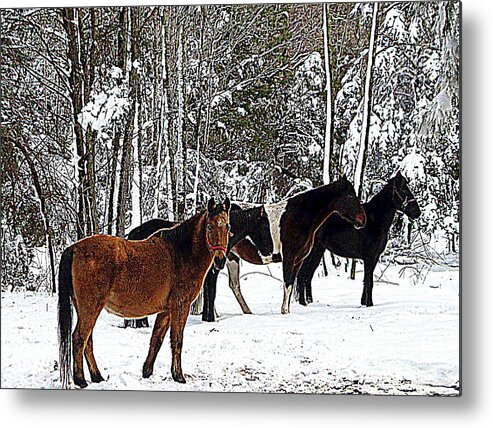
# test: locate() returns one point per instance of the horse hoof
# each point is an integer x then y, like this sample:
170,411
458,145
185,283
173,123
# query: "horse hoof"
284,311
146,373
97,378
81,383
179,378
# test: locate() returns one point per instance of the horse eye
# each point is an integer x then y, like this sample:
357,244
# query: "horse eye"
209,226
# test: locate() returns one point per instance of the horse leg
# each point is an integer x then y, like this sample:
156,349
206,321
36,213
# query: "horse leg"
159,331
80,337
209,287
292,261
367,297
234,283
91,362
290,271
300,291
198,303
305,274
178,321
288,289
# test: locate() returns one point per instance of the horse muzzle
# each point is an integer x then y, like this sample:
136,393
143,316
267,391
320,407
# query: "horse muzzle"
360,221
219,260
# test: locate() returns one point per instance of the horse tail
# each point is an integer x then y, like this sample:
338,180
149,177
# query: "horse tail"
65,290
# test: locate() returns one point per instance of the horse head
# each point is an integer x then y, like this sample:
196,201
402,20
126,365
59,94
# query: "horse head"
348,205
218,231
403,199
260,234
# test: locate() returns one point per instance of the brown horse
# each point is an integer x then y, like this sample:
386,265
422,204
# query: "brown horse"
134,279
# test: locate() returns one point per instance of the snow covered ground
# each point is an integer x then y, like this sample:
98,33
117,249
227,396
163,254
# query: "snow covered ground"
407,344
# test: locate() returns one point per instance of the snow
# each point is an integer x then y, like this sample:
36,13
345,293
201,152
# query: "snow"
407,344
218,99
394,21
413,166
104,108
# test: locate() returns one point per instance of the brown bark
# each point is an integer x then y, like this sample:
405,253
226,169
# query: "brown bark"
82,74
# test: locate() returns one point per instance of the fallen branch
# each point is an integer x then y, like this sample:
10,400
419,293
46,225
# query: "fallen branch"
260,273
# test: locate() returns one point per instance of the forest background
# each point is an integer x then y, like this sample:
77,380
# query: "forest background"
112,116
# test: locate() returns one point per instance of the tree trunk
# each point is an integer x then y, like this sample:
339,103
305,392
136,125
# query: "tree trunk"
121,63
124,189
136,176
88,64
69,19
365,130
164,189
42,208
328,93
179,166
367,105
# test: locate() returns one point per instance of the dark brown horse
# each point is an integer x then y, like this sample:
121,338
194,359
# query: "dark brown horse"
133,279
295,221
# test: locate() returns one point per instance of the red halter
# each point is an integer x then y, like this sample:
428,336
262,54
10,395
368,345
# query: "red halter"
213,248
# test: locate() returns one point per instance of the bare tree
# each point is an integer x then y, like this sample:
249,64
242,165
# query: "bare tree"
38,187
328,94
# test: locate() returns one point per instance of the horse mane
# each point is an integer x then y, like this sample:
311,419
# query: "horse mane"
378,196
183,234
246,218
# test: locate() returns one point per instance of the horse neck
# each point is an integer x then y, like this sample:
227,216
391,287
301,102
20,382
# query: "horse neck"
321,203
188,242
381,207
242,224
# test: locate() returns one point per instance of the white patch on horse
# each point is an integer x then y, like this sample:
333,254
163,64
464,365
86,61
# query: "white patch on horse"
287,297
274,214
233,271
264,259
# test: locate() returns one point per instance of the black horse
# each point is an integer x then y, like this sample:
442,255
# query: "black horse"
367,244
251,224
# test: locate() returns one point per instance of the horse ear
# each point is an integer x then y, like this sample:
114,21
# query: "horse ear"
227,204
262,211
211,205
